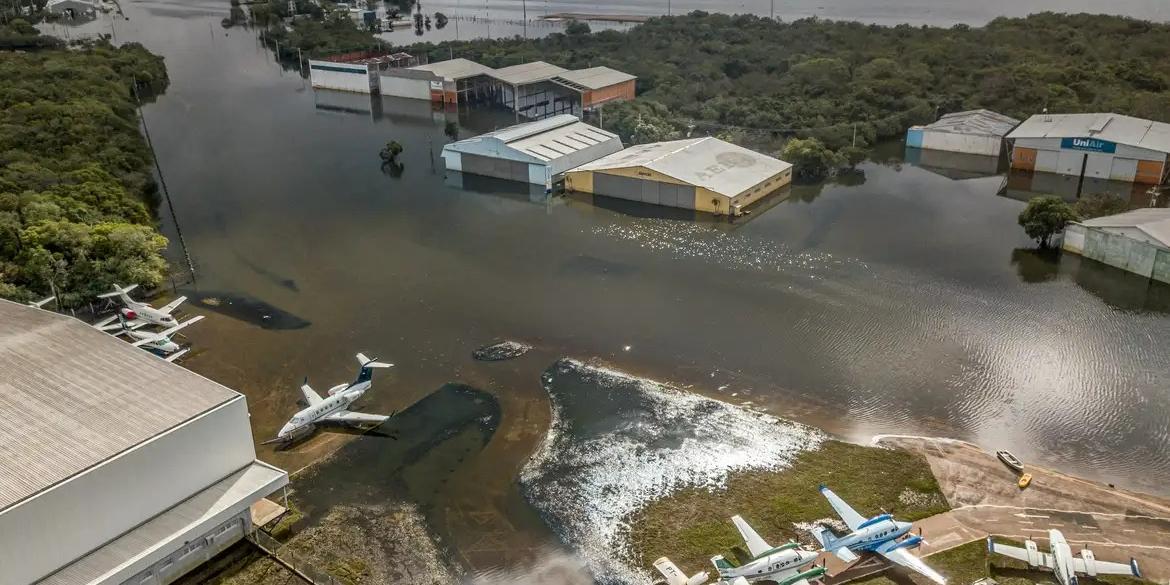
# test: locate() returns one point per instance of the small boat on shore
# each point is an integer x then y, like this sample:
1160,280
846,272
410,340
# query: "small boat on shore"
1010,460
1025,480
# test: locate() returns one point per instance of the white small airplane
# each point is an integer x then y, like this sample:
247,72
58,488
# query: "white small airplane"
159,343
332,410
781,564
1061,560
41,303
138,314
880,534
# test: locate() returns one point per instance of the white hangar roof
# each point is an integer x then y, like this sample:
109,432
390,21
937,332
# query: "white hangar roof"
1112,127
719,166
1154,222
545,140
977,122
455,69
70,399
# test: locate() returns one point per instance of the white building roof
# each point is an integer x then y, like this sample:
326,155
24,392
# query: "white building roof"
1154,222
527,72
1112,127
70,399
191,517
976,122
719,166
455,69
594,77
545,140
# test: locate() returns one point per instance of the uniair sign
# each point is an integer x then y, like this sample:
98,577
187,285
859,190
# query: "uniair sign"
1088,144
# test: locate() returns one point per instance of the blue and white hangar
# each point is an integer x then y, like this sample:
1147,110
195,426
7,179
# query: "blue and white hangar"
1102,146
533,152
116,467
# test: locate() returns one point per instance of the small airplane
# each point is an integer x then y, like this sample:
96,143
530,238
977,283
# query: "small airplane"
159,343
781,564
879,534
138,314
1061,560
41,303
334,408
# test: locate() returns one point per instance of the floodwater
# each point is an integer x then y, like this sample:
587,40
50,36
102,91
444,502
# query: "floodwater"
900,300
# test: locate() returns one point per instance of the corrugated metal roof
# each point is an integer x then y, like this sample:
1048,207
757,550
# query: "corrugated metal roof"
1155,222
546,140
454,69
594,77
527,72
72,396
707,162
978,122
196,514
1112,127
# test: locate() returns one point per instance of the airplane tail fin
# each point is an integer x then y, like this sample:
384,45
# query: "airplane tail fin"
675,576
366,373
119,291
41,303
722,565
824,536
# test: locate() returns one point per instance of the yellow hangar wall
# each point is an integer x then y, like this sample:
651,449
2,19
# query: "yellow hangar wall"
705,199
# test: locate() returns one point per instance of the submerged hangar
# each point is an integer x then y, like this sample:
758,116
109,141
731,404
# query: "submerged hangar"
1103,146
115,466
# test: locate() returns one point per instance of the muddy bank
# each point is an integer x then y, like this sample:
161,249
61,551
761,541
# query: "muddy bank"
370,544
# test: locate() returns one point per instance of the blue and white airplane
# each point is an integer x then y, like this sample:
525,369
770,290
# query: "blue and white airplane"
332,410
881,535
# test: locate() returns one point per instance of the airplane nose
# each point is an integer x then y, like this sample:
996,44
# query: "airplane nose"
285,430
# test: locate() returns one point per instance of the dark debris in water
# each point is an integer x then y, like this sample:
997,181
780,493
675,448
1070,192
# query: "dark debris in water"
505,350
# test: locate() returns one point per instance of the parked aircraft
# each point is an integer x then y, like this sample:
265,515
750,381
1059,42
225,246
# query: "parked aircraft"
332,410
1061,560
880,534
781,564
138,314
159,343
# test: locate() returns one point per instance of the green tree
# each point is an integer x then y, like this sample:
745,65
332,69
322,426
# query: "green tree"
390,152
1044,217
577,28
811,160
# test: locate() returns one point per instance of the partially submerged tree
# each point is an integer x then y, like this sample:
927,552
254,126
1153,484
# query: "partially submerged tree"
1044,217
811,159
391,151
1099,205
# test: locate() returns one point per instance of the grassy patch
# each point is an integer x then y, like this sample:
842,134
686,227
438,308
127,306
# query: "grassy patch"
350,571
694,524
284,526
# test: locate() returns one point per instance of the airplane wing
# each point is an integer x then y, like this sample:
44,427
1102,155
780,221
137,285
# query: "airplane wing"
850,516
171,306
903,557
1094,567
176,328
177,355
102,324
1030,555
345,416
756,545
675,576
310,395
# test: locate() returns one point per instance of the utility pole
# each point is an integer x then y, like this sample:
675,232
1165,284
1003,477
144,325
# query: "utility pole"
855,134
524,6
773,9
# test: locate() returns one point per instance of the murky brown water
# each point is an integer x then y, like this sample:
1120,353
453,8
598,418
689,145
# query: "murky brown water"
904,303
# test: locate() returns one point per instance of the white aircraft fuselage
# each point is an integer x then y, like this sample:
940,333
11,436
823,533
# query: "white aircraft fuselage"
1062,558
875,533
782,561
136,311
341,396
165,346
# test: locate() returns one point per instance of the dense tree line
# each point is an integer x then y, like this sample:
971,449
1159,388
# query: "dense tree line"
76,191
823,79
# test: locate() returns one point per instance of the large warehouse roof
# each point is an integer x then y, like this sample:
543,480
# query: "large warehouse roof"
1154,222
593,77
1112,127
455,69
70,399
528,72
547,139
978,122
719,166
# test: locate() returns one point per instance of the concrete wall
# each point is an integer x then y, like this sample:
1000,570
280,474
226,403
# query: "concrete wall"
967,143
405,87
1119,249
342,76
57,526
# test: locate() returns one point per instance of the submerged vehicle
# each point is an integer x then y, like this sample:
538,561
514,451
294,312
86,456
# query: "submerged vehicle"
1010,460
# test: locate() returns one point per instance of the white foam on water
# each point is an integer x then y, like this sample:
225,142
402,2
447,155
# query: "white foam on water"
586,486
